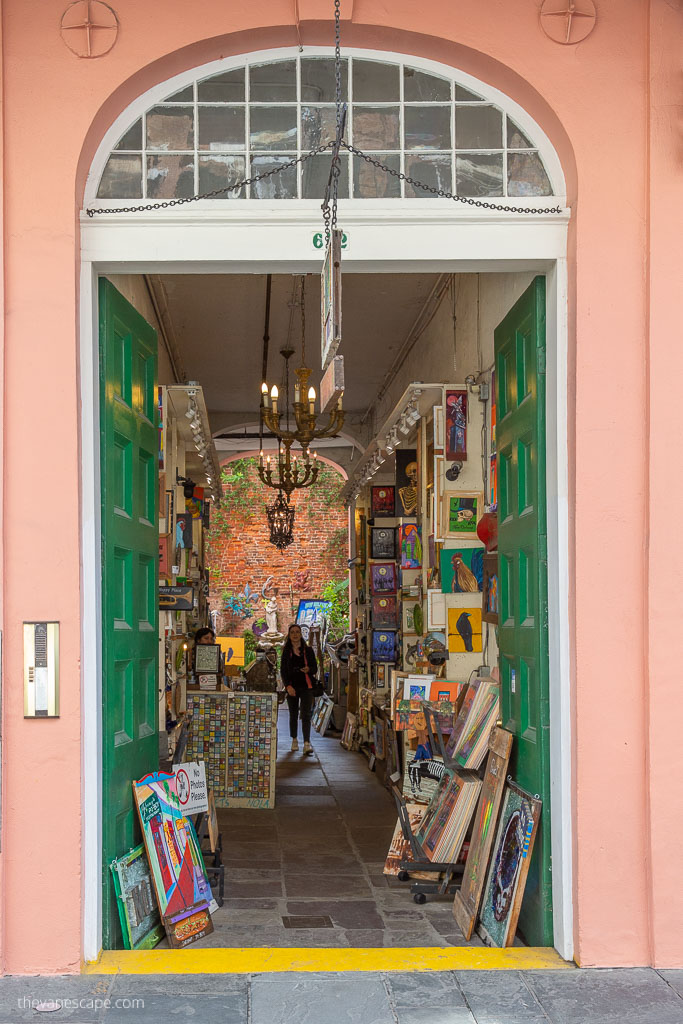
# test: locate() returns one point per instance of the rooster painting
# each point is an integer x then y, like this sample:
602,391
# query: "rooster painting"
464,580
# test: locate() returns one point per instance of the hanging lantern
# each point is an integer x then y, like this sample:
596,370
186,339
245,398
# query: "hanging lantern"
281,522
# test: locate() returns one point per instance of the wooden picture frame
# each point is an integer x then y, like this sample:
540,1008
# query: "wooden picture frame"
460,512
468,897
491,590
437,528
509,865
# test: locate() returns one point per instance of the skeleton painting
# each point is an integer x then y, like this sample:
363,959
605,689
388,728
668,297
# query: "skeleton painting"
461,513
509,866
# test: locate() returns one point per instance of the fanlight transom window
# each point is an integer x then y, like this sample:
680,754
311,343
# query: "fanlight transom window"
221,129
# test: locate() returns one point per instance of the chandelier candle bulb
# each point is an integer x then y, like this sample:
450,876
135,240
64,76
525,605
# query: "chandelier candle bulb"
311,401
264,395
273,396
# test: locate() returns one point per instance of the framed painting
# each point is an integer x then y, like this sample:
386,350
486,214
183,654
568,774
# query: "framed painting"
417,688
378,731
410,543
461,511
396,679
464,630
462,570
380,675
383,578
384,645
138,912
183,530
182,890
443,689
383,501
382,542
407,492
207,659
468,897
509,866
456,426
490,589
385,611
408,618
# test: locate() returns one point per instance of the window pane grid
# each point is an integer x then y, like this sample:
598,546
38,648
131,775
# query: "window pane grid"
205,141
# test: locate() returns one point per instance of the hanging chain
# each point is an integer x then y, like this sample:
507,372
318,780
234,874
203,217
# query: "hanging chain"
217,191
303,319
329,210
442,193
336,161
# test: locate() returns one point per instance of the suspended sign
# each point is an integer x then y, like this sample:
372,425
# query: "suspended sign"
330,300
332,384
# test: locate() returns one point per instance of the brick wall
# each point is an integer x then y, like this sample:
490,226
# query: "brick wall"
239,550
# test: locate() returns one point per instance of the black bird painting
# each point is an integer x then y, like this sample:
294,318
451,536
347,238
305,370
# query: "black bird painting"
464,628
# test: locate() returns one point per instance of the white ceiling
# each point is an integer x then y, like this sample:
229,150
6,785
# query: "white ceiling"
218,322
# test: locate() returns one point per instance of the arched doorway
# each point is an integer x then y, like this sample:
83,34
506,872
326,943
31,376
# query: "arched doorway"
459,133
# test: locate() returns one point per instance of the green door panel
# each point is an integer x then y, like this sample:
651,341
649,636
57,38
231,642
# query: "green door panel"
128,454
522,552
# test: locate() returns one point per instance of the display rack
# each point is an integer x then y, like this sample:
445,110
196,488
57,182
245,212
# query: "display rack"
449,875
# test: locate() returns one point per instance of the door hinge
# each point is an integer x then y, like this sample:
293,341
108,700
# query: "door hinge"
540,360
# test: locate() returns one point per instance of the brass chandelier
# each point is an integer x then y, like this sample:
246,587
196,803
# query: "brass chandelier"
289,471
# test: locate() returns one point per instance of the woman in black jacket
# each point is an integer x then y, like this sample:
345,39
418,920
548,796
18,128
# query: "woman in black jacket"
298,668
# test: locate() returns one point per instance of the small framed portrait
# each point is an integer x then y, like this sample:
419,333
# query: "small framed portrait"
383,501
456,426
207,659
383,542
383,578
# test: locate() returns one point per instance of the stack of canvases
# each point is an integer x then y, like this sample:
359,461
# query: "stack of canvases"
466,797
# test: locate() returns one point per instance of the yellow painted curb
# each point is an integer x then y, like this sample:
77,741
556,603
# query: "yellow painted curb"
257,961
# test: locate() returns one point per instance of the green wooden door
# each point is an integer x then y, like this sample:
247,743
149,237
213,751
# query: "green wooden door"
128,370
522,550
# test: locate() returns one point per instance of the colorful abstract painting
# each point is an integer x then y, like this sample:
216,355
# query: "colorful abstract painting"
456,425
509,866
464,630
410,543
175,858
462,570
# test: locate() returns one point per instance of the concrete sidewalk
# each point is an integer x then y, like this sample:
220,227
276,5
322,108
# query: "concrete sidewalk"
636,996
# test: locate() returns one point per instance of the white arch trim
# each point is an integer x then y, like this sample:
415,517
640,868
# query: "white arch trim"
159,92
385,236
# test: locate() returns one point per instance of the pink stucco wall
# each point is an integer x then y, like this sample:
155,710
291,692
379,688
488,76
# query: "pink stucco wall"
608,106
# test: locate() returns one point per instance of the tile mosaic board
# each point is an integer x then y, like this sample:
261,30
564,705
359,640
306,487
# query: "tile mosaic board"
252,750
235,735
208,736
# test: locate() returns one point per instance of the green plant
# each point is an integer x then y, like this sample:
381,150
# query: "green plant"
337,593
250,642
235,507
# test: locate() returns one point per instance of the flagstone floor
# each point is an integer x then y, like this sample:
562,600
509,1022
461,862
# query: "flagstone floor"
319,854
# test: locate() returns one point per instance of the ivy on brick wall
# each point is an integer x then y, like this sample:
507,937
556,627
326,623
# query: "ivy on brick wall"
241,559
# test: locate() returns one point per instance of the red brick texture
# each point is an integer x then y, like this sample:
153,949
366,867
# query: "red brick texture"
241,553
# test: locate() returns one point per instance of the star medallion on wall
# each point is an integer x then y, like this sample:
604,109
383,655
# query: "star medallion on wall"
568,21
89,28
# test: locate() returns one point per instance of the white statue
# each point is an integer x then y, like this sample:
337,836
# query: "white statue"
271,615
